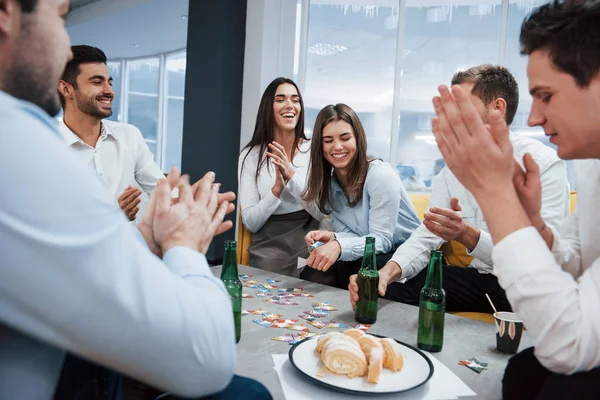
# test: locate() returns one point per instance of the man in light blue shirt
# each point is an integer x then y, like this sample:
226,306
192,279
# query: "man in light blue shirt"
75,275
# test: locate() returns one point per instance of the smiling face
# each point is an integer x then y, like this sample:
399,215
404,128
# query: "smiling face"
569,114
286,107
339,145
93,94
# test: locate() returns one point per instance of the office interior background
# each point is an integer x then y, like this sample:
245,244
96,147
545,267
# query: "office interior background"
384,58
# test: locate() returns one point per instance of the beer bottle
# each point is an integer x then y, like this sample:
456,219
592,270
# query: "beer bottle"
229,276
368,284
432,307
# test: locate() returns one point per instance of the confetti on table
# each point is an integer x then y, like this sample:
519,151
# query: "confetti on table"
252,286
317,324
258,311
290,290
333,324
251,282
317,313
300,327
308,317
245,277
262,322
288,337
283,323
362,327
247,296
245,312
272,281
306,295
268,286
474,364
271,316
261,295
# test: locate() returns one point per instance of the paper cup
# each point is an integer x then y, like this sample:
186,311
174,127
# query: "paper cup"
508,335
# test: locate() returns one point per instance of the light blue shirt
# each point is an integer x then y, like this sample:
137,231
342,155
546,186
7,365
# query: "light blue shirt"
384,212
76,276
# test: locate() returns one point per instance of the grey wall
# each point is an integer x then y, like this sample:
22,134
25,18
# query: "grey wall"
213,96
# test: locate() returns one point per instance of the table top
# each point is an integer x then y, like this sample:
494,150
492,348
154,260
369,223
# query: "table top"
463,338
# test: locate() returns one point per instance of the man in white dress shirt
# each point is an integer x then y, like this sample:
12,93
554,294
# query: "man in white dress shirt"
551,278
117,152
76,275
455,219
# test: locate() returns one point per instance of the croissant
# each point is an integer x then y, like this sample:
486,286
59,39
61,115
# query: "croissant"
368,342
393,358
344,357
354,333
375,364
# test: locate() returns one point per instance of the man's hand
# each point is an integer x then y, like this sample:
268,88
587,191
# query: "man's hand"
448,224
481,157
324,256
193,220
386,275
281,160
319,236
129,201
528,186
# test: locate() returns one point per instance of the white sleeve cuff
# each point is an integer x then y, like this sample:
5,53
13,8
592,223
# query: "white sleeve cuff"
483,248
519,254
184,261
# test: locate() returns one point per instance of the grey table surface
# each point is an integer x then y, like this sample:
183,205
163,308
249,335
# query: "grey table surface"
463,338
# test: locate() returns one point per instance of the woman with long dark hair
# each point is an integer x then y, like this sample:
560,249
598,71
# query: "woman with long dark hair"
273,168
363,197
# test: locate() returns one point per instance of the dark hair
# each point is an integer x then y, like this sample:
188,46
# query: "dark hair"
265,121
492,82
82,54
28,6
570,32
318,186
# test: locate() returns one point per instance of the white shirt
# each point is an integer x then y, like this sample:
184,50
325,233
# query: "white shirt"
76,276
557,294
257,200
384,212
121,158
413,256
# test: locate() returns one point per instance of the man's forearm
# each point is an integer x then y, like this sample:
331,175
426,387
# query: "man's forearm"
543,229
503,212
393,270
470,237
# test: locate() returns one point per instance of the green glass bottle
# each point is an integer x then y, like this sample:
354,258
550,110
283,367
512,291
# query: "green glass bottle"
229,276
432,307
368,285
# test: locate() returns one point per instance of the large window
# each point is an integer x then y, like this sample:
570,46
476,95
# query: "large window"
385,59
142,95
114,69
149,94
173,120
351,53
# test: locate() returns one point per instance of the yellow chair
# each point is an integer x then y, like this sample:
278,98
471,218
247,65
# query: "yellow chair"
572,200
244,238
419,202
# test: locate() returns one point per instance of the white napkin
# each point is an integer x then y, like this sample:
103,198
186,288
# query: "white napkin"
444,384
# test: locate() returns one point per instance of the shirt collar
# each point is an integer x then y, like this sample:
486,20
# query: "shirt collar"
71,138
335,185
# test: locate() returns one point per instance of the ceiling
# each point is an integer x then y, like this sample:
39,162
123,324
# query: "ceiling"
129,28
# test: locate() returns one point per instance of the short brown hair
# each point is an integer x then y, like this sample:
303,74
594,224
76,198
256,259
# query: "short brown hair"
492,82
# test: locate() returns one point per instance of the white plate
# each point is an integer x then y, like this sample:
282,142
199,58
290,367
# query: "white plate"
417,370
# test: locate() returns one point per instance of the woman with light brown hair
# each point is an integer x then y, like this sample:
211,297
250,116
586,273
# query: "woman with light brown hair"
362,196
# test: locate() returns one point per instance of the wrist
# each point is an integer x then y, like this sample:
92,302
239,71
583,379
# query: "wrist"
469,237
392,270
276,191
538,222
170,244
